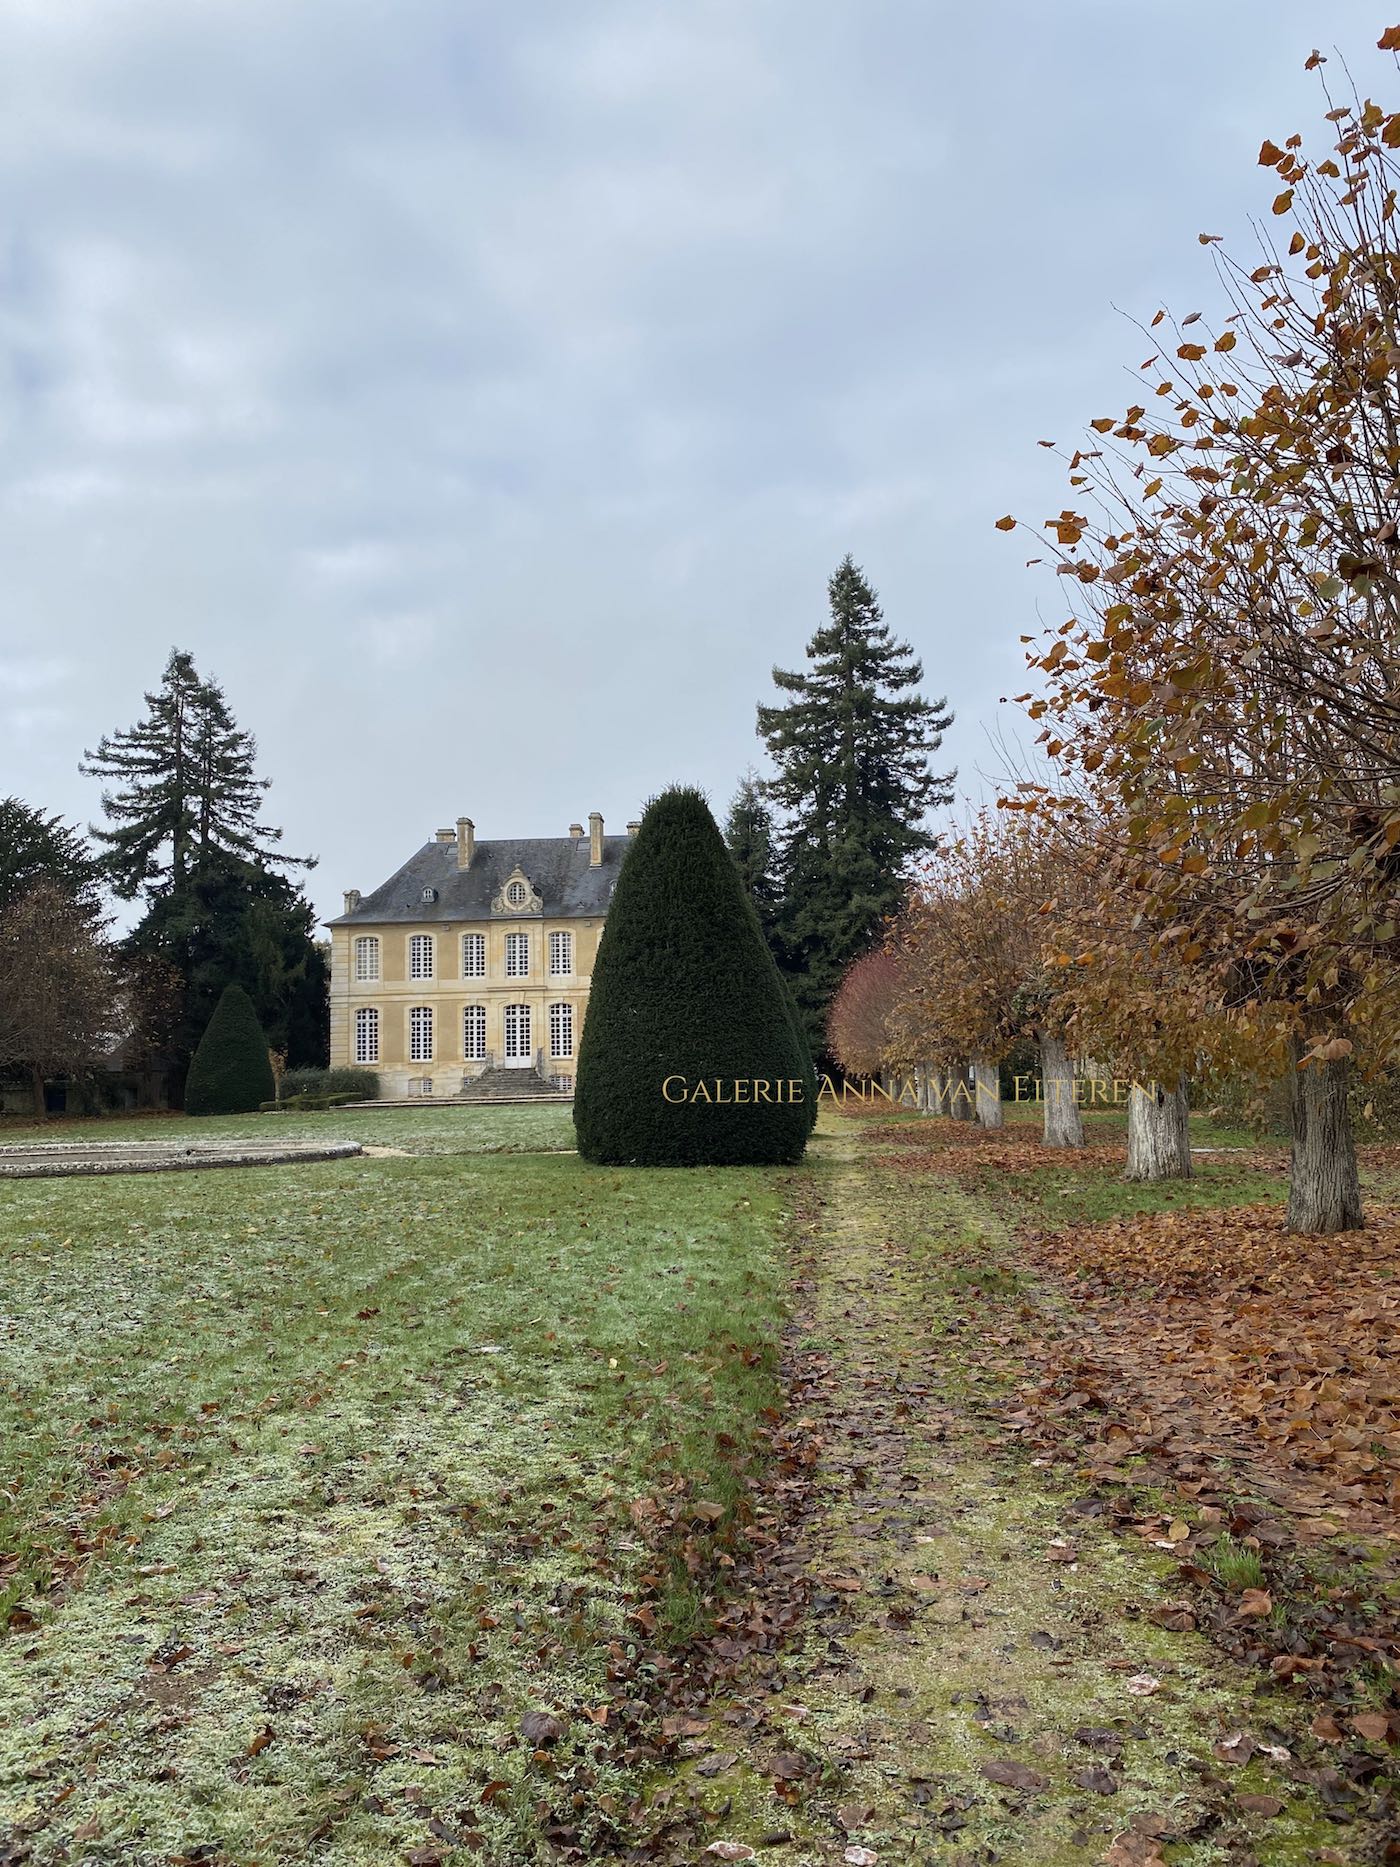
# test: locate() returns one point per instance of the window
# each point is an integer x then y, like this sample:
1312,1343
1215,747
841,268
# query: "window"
561,954
517,1032
473,956
517,894
429,894
561,1030
473,1033
420,1034
517,955
367,957
367,1034
420,956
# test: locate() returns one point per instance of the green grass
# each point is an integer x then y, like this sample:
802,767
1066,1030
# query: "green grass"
428,1130
315,1479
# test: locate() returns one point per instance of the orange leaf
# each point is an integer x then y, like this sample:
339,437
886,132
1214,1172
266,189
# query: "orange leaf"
1008,524
1284,201
1389,40
1269,153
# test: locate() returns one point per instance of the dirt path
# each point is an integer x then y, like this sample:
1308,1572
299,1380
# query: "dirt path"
975,1676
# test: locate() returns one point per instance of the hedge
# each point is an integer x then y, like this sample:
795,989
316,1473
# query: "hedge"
230,1072
690,1054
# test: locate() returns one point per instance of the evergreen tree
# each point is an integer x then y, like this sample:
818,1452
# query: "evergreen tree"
184,802
686,1003
749,834
183,788
230,1072
35,848
236,920
851,746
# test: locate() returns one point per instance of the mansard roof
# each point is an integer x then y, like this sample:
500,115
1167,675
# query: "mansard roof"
558,867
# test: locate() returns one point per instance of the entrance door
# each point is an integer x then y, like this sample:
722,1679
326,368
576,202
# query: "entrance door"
518,1048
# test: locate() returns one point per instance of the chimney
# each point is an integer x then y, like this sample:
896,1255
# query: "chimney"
352,900
595,839
575,829
447,836
634,826
466,842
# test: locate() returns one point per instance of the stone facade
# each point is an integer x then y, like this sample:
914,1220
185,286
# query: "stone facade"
473,956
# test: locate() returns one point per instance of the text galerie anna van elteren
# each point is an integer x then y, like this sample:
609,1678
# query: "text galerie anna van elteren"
736,1091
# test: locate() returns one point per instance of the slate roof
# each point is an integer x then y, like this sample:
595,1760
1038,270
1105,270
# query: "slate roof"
557,867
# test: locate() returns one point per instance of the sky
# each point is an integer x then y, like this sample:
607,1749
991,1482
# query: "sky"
484,394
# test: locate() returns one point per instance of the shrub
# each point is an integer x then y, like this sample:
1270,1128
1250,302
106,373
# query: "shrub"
350,1085
300,1105
685,992
230,1072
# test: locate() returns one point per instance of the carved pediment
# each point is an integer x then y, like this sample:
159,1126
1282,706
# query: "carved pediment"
517,894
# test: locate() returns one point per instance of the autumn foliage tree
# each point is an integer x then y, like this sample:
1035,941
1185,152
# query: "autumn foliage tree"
858,1031
977,933
1226,693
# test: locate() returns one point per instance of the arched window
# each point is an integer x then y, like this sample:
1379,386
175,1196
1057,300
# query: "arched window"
420,956
561,1030
367,1034
473,1033
420,1034
367,957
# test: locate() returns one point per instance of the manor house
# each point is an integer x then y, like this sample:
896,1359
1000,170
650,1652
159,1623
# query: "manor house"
474,958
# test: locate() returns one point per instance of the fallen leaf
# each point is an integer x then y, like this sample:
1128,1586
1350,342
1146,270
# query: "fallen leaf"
1374,1726
855,1815
1261,1805
1099,1780
541,1728
1013,1775
860,1857
1143,1685
1255,1603
731,1851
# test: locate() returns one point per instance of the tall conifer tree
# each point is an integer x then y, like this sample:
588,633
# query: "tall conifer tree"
183,787
752,841
184,803
851,746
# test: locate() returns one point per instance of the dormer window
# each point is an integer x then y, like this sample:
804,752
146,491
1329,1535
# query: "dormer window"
517,894
429,894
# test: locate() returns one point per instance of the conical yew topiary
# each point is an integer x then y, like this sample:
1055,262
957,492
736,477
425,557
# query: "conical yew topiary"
690,1055
230,1072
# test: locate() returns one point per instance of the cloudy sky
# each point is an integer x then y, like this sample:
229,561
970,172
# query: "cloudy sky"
485,392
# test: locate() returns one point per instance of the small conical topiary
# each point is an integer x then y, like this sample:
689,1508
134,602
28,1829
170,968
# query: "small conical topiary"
230,1072
689,1055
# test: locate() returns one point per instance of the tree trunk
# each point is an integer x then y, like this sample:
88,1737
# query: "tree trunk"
921,1081
36,1081
1159,1134
1063,1128
963,1094
986,1079
939,1102
1324,1193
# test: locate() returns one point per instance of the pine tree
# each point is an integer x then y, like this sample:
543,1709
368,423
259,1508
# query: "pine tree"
230,1072
184,788
184,802
686,1003
851,747
750,836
